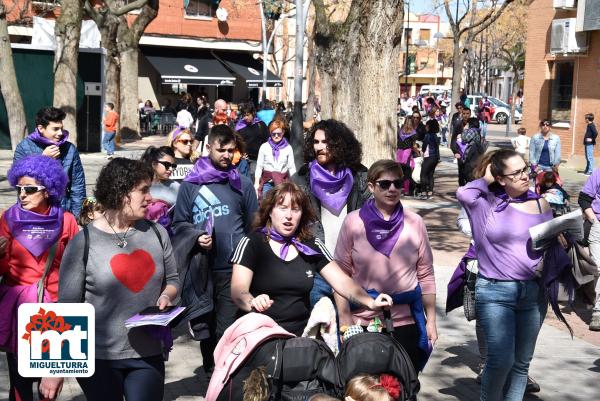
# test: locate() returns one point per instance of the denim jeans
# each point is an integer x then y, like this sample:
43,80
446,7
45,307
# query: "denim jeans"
594,241
444,132
108,142
589,159
321,288
483,125
266,188
511,314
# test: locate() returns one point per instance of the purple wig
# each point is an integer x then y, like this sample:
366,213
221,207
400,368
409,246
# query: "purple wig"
45,170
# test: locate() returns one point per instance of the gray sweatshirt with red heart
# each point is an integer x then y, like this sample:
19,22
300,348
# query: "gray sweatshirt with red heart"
119,282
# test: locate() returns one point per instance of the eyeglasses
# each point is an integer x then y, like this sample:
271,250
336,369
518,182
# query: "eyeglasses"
277,133
167,165
185,141
517,175
29,189
385,184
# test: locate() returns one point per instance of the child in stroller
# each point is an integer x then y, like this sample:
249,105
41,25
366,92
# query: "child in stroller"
557,197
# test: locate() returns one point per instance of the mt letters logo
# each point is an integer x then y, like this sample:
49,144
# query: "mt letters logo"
56,340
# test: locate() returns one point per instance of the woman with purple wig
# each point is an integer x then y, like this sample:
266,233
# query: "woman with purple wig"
33,235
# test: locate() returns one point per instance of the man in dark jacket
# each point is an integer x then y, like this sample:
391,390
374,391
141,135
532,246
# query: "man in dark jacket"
254,133
50,139
589,141
458,148
216,206
335,181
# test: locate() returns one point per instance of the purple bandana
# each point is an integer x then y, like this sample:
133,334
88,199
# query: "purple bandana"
241,124
204,172
277,146
331,189
461,147
36,232
177,133
287,241
37,137
505,200
404,136
382,234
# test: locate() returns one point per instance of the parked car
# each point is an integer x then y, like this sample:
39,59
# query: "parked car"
501,109
434,89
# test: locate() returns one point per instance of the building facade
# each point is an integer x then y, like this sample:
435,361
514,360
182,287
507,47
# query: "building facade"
562,70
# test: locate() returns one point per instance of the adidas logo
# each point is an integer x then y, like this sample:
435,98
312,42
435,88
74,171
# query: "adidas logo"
205,204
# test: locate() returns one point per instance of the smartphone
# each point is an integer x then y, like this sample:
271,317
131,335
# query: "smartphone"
153,310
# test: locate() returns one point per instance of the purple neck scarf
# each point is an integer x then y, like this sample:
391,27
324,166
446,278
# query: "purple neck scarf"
287,241
382,234
461,147
505,200
277,146
404,136
331,189
204,172
36,232
241,124
37,137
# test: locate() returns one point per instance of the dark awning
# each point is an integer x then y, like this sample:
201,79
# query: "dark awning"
203,69
248,68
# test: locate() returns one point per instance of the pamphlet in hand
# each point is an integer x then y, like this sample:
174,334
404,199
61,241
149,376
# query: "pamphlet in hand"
160,318
543,234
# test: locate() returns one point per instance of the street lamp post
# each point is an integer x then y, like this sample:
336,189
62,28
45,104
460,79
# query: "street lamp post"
406,66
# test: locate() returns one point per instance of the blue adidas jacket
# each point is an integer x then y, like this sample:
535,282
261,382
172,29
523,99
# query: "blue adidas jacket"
69,158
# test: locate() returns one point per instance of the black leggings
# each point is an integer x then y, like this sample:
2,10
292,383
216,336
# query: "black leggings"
427,170
136,379
21,388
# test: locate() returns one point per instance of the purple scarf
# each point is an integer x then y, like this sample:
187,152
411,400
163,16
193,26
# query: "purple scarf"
277,146
36,232
404,136
461,147
331,189
505,200
382,234
204,172
37,137
287,241
241,124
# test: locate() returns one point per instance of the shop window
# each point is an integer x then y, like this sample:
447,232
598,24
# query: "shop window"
199,8
562,92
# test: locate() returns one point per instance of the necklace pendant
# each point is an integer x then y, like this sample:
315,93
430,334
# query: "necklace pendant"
122,244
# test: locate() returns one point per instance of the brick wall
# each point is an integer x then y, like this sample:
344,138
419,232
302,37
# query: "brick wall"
538,69
243,22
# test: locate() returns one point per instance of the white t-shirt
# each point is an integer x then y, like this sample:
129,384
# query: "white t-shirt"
331,226
521,143
266,161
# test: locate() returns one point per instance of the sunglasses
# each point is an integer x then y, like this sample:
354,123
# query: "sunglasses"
185,141
546,124
29,189
277,133
385,184
167,165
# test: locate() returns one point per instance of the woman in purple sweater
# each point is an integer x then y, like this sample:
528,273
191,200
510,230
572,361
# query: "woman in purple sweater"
509,301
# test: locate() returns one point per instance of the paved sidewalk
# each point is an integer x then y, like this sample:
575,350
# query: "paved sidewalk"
566,369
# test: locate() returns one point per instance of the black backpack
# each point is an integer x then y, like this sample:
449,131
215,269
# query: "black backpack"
374,354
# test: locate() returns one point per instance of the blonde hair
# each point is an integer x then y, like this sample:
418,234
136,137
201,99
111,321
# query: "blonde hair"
367,388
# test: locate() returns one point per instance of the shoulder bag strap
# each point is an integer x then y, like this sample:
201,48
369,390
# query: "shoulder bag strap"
40,284
86,247
153,225
539,205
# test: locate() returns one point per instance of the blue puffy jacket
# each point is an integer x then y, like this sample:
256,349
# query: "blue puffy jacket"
69,158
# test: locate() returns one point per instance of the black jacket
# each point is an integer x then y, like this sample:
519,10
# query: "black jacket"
357,197
254,135
590,133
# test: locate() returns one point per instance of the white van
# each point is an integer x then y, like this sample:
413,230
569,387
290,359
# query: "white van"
434,89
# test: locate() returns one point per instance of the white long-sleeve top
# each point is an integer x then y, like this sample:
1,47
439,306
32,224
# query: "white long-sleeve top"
266,161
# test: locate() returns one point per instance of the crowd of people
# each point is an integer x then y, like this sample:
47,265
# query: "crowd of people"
224,200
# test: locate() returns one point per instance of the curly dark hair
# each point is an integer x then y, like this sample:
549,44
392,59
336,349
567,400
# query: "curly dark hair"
45,170
49,114
117,179
344,148
299,198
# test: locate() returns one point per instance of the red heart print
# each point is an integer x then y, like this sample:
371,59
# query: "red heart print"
133,270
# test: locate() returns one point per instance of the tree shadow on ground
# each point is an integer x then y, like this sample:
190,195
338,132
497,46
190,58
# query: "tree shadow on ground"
192,386
596,368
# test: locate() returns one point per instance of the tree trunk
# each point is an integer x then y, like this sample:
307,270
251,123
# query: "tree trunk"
17,122
112,68
458,60
285,51
130,121
297,137
66,54
310,75
358,67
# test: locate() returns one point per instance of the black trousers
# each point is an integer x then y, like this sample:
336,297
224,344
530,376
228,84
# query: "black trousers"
462,174
136,379
223,316
427,170
21,388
